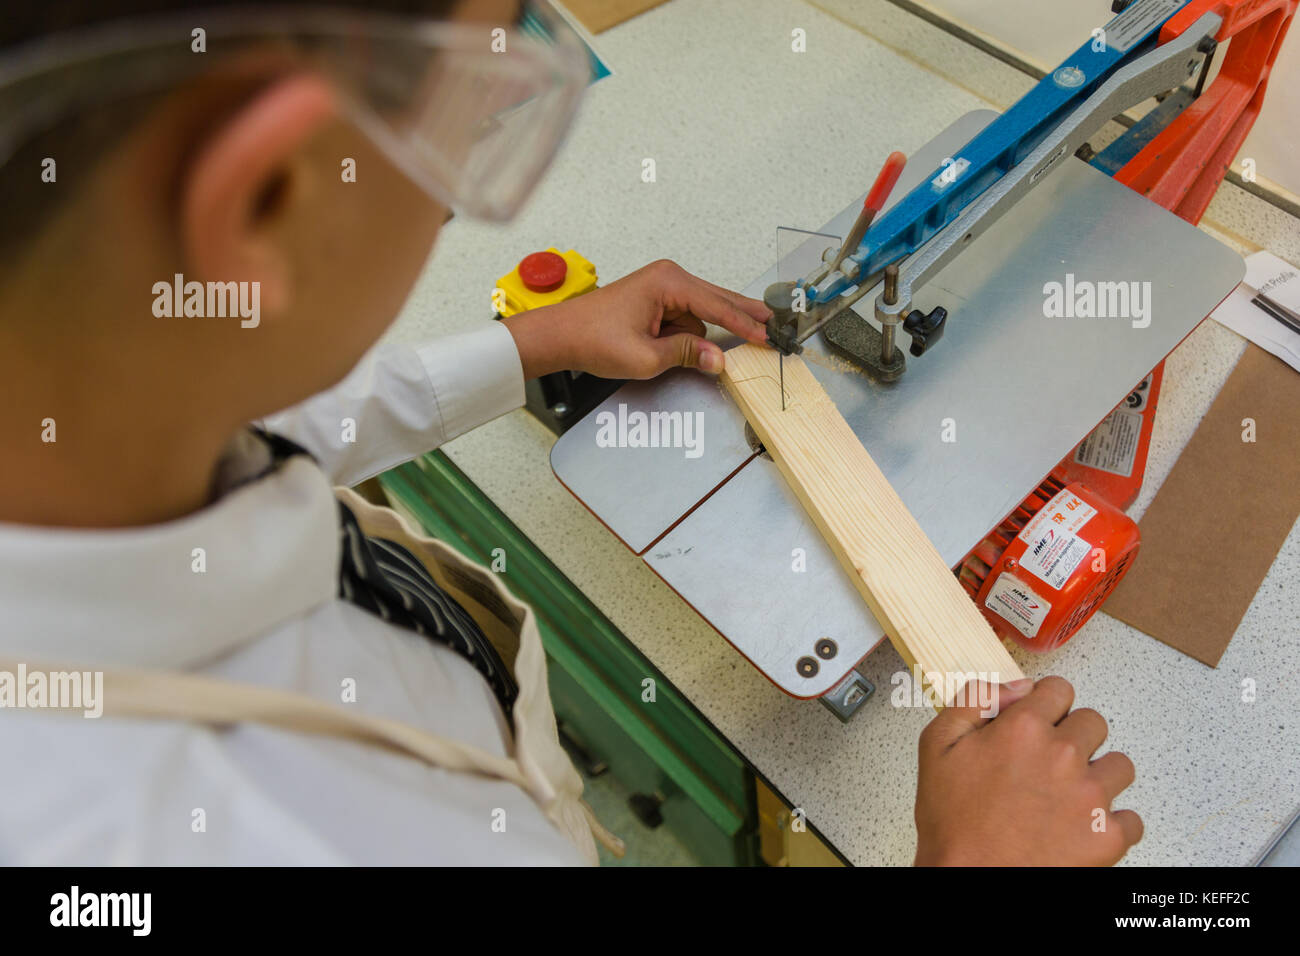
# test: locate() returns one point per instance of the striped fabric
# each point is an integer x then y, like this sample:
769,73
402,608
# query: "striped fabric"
385,579
388,581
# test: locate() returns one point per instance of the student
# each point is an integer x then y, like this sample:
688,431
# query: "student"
293,675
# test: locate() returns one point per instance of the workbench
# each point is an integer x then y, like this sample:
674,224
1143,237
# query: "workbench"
710,90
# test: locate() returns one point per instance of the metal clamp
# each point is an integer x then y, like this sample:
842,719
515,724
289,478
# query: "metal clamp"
844,699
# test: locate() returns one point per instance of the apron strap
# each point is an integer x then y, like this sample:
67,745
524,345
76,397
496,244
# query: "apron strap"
180,696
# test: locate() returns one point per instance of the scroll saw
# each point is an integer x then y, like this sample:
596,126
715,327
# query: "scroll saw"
980,429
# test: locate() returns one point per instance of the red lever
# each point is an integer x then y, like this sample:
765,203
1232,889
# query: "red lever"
889,174
875,201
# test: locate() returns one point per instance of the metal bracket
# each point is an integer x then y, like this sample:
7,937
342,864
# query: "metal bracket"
859,341
844,699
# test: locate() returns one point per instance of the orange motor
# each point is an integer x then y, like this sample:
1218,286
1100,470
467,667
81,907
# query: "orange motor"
1044,571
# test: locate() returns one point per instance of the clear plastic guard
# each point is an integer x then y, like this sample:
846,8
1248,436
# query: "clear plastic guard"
799,253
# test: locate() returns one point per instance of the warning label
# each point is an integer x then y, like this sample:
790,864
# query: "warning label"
1113,444
1053,548
1139,20
1016,604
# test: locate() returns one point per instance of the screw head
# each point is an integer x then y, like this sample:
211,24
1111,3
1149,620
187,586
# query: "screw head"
1070,77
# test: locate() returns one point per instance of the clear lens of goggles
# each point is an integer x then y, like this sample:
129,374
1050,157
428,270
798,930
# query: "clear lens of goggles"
472,112
478,128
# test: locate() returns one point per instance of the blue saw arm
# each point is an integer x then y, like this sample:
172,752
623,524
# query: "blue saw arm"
1000,147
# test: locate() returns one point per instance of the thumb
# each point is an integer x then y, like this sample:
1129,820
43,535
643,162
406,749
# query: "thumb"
689,351
976,704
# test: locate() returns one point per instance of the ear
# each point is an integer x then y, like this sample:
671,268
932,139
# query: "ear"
227,194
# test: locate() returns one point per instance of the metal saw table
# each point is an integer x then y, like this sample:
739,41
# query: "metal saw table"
1019,390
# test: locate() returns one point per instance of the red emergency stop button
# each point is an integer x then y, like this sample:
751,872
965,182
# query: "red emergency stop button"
543,271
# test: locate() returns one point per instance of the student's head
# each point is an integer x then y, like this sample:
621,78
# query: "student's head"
313,149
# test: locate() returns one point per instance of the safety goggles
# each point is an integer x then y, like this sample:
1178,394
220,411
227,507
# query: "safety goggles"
471,112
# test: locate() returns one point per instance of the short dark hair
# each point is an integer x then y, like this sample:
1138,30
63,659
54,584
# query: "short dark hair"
32,21
78,142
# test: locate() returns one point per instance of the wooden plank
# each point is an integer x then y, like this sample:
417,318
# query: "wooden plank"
599,15
915,597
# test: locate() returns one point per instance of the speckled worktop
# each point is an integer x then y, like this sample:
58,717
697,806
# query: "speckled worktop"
711,91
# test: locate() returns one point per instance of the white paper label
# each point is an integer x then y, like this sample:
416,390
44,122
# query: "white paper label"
1112,446
1261,307
1017,604
1139,20
1053,548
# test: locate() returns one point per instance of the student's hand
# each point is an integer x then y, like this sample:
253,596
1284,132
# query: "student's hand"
637,327
1018,789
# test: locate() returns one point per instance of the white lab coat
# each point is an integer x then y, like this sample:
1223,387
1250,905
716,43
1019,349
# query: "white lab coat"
264,611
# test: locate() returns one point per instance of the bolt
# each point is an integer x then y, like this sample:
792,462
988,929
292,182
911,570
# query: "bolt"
1069,77
891,283
890,295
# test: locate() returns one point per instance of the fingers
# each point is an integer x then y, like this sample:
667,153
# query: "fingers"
984,701
683,292
1130,824
706,304
683,323
688,351
1051,699
1114,771
752,307
1086,729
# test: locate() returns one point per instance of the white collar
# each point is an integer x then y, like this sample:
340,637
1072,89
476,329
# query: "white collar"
131,597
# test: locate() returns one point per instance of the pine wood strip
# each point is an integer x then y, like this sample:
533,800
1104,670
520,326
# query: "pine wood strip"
915,597
599,15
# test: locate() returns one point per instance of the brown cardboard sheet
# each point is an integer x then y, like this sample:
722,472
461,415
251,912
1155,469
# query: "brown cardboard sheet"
1220,518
